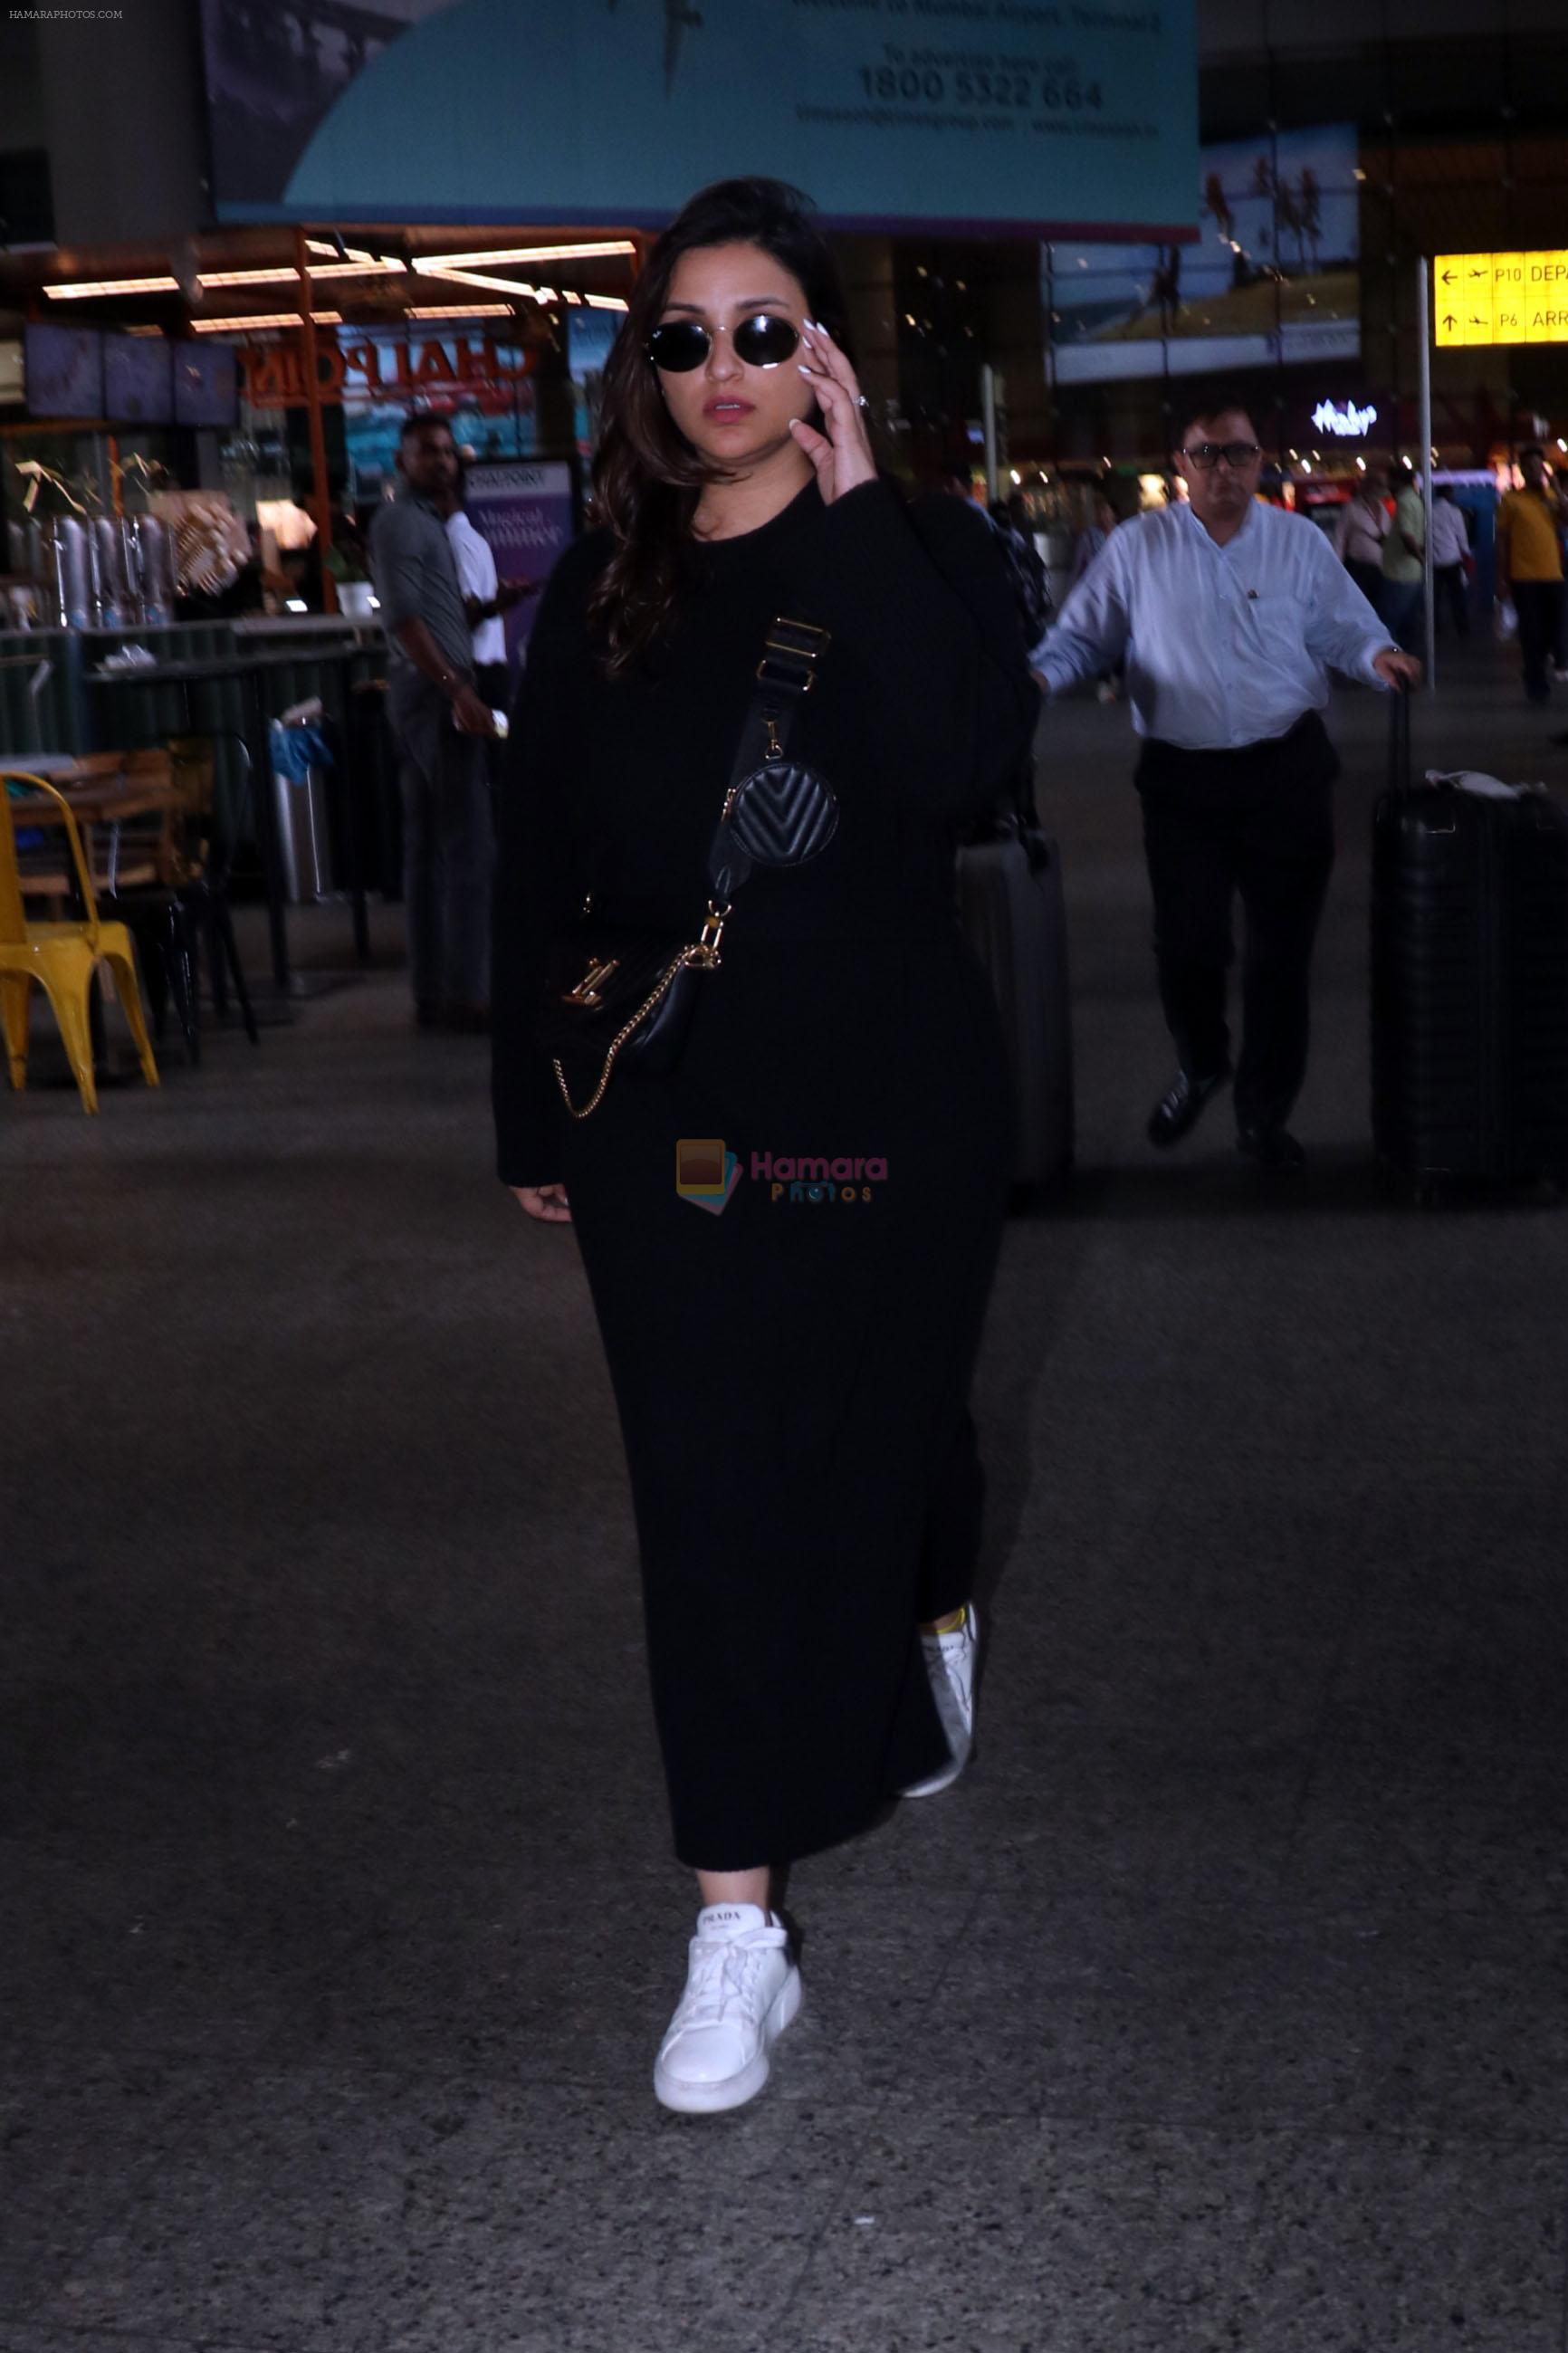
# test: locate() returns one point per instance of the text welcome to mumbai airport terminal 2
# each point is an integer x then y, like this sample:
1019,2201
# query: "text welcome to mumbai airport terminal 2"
909,83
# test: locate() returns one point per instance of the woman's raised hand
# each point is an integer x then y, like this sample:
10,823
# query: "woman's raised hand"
842,456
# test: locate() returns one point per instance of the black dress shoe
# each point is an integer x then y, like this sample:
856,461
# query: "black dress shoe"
1274,1148
1178,1113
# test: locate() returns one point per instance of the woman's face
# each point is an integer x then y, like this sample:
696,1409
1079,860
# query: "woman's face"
732,414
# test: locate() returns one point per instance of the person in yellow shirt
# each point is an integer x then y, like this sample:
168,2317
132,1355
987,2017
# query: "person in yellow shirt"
1529,566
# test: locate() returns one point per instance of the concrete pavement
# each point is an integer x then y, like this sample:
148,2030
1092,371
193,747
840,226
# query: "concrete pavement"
1220,2006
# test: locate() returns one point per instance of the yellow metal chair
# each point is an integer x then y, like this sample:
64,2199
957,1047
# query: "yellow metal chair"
61,957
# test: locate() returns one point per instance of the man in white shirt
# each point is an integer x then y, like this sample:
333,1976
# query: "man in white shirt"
1229,614
1359,536
1450,550
486,600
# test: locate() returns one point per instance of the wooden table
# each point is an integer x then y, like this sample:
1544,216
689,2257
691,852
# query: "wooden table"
94,798
251,673
56,766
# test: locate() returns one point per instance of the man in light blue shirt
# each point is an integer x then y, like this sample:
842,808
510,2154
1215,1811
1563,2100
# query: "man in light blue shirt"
1228,615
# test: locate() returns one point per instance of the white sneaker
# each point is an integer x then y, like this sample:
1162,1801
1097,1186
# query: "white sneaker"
951,1661
741,1991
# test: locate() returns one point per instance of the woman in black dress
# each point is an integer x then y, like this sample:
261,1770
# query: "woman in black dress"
791,1356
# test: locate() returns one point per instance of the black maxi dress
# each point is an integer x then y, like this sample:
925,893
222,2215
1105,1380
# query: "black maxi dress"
791,1370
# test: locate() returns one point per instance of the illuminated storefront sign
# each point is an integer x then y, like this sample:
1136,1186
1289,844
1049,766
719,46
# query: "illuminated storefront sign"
1500,298
399,369
1349,423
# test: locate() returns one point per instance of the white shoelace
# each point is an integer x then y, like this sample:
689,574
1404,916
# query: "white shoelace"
721,1973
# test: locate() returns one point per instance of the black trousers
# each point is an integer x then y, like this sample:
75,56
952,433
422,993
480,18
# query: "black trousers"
1539,606
1368,578
1258,823
1452,588
448,848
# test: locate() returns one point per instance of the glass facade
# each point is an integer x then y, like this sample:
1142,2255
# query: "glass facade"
1451,136
1335,154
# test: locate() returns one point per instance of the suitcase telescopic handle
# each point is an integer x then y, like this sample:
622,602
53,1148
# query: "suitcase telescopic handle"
1399,739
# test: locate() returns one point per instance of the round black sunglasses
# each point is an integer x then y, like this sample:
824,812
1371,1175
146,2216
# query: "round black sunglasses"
679,345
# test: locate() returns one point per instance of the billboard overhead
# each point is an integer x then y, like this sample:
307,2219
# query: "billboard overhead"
1077,115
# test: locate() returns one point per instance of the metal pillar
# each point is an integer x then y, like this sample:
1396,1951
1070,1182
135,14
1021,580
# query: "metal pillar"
1428,581
988,419
321,497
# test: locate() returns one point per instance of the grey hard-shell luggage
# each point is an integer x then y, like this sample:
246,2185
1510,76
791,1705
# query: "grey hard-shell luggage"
1010,905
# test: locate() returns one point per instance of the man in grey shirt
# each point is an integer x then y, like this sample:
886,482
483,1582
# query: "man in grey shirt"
439,724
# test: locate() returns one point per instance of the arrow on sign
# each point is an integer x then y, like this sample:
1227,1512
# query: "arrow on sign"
1448,277
1450,321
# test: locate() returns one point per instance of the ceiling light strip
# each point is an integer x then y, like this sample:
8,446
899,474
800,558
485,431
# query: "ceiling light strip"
497,285
368,268
496,258
263,319
84,290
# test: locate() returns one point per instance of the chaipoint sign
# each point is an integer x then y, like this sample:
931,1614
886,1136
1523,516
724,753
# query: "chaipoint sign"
1075,118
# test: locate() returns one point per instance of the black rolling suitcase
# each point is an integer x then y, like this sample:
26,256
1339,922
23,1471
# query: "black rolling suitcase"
1469,979
1010,905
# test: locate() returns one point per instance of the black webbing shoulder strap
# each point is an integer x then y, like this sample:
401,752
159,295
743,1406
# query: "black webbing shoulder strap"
784,677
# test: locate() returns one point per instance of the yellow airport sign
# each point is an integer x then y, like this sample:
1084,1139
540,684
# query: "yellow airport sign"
1500,298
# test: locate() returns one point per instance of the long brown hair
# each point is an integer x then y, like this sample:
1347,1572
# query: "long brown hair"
647,477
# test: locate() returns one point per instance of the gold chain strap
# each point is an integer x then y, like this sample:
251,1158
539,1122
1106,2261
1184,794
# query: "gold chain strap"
704,953
618,1041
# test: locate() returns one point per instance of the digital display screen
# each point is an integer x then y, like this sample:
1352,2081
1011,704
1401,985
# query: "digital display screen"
138,380
63,371
206,383
1273,279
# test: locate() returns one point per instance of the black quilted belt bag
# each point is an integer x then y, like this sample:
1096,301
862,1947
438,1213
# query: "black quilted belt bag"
619,999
